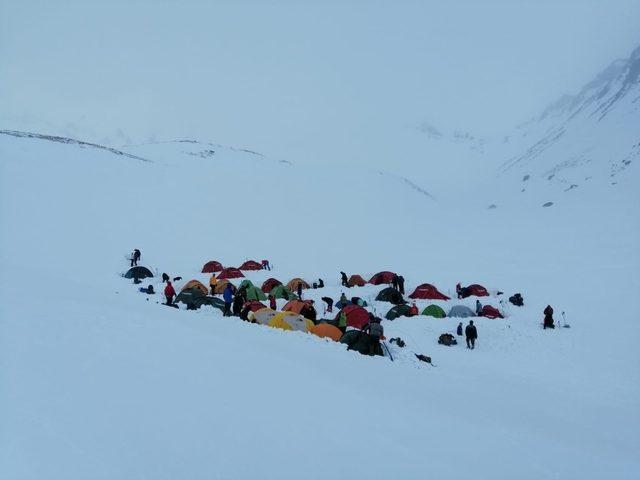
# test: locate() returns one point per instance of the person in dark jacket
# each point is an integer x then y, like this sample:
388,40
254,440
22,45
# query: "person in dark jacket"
148,290
459,290
459,329
135,256
165,278
242,293
394,281
169,293
548,318
272,302
344,279
478,308
329,302
299,290
266,265
227,296
320,283
238,301
401,284
376,331
472,334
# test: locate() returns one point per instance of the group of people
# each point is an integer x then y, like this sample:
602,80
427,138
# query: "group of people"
470,333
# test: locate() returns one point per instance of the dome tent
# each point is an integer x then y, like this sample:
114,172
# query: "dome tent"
212,267
390,295
461,311
426,291
434,311
138,273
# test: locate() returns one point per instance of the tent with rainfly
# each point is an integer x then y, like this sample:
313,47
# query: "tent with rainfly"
193,298
461,311
426,291
356,281
293,284
262,316
220,287
357,317
280,291
253,305
382,277
398,311
434,311
290,321
390,295
212,267
491,312
326,330
360,342
269,283
138,272
230,272
475,290
250,265
254,293
195,284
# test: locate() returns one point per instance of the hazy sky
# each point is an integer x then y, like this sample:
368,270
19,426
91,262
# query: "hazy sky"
300,80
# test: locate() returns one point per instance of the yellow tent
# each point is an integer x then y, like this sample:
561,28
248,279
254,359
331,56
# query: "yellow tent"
290,321
262,316
195,284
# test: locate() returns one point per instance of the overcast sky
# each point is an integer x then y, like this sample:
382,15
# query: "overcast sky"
299,80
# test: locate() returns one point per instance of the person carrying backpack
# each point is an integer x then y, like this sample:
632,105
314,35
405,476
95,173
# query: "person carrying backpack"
135,256
344,279
472,334
169,293
227,296
375,331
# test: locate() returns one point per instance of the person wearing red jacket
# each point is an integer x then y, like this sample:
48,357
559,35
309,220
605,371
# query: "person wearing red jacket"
414,309
169,292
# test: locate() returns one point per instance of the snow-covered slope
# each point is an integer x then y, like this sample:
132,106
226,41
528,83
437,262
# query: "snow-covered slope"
99,382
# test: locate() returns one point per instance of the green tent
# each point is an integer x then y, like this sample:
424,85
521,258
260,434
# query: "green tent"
390,295
434,311
246,282
254,293
398,311
360,342
193,298
138,272
281,291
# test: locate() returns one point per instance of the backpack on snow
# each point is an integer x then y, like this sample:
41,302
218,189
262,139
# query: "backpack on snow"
516,300
447,339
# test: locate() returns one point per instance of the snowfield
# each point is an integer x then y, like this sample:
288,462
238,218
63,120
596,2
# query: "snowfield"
99,381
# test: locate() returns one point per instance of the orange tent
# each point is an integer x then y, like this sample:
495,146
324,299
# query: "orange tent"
326,330
293,284
356,281
195,284
221,285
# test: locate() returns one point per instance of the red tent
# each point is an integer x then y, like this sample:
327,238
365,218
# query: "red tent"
427,291
474,289
269,283
250,265
230,272
357,317
382,277
491,312
254,305
212,266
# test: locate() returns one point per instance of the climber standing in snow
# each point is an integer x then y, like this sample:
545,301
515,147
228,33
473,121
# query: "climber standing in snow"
344,279
135,256
227,296
299,289
401,284
478,308
472,334
213,281
548,318
169,293
375,331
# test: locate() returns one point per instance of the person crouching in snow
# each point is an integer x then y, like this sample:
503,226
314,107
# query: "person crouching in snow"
548,318
414,309
375,331
169,293
265,265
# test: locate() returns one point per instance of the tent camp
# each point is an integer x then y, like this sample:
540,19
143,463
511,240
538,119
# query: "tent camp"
280,291
293,284
326,330
390,295
290,321
269,283
426,291
138,272
398,311
250,265
230,272
193,298
212,267
356,281
491,312
434,311
360,342
220,287
262,316
461,311
357,317
245,283
382,277
475,290
195,284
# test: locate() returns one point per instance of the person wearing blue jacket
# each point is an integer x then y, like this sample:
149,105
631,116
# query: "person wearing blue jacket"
228,298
